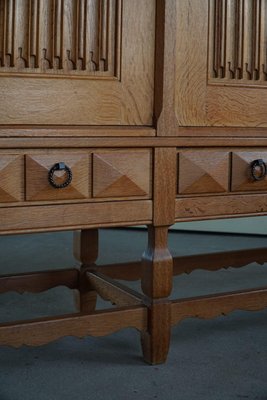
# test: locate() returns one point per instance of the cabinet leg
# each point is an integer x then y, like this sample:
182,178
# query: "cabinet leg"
85,249
157,274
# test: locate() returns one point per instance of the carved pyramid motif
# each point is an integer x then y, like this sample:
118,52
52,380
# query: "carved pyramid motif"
11,178
37,183
119,174
203,172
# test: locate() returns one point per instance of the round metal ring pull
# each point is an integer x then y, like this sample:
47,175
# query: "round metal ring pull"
258,170
61,166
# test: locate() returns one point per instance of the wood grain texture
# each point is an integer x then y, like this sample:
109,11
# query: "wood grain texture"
220,206
36,282
199,103
85,246
112,291
164,186
45,330
203,172
96,101
207,141
28,131
156,282
71,217
85,250
216,261
132,271
166,36
117,88
11,178
242,179
38,186
238,35
122,173
63,37
156,341
219,304
157,265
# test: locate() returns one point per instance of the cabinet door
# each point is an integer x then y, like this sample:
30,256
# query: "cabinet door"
76,62
221,63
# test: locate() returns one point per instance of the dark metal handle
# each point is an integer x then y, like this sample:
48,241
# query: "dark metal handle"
258,170
61,166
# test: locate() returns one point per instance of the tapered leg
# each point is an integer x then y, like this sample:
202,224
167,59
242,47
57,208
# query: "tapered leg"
85,249
157,272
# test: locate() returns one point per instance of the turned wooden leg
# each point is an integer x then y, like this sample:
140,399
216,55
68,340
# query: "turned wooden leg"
157,273
85,249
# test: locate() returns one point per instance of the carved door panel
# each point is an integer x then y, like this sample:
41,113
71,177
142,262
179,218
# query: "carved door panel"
76,62
221,64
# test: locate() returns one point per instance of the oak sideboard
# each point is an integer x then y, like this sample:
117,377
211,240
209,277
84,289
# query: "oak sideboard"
130,112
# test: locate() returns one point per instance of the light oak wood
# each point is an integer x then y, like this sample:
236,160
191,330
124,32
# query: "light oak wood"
164,184
36,282
203,172
122,173
242,179
38,186
157,264
11,178
74,216
61,39
156,280
221,99
132,271
112,291
77,131
159,107
44,330
110,83
85,250
212,306
219,207
125,142
156,341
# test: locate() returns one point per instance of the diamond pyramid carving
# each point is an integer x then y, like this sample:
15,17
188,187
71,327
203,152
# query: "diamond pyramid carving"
11,178
38,186
241,171
203,172
120,174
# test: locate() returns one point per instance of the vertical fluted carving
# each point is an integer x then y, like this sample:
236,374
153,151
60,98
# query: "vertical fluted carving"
33,34
59,36
239,39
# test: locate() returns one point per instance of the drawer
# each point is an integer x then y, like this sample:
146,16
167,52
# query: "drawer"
57,176
11,178
201,171
122,173
242,178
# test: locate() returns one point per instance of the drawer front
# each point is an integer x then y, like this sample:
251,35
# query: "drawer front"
202,171
122,173
11,178
73,174
242,178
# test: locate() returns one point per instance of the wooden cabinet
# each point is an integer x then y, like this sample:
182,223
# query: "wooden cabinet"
130,112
